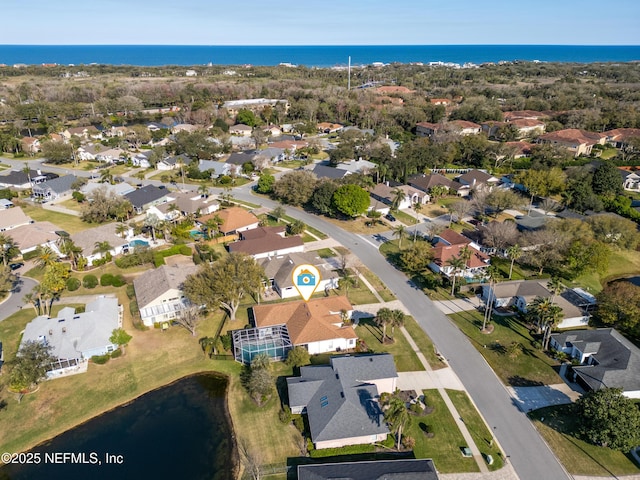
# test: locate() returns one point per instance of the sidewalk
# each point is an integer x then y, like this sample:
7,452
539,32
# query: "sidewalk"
458,305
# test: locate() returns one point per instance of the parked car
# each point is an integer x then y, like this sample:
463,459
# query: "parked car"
390,217
16,266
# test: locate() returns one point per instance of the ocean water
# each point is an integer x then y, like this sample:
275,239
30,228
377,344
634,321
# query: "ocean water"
310,56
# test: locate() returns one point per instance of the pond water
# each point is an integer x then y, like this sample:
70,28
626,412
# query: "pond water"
178,431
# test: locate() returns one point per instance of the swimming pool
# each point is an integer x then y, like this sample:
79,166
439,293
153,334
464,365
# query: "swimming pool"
138,243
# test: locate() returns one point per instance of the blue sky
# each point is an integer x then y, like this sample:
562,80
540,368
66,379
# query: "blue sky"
325,22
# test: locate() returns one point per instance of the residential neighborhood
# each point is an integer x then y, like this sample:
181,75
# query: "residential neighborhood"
401,278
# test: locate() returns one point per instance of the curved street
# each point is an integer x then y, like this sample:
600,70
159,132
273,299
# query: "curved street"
525,449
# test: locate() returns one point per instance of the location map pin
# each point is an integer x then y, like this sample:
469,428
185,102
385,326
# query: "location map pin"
306,279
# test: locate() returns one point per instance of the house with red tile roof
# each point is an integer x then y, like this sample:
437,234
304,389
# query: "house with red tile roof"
30,144
464,127
327,127
427,129
321,324
620,137
233,220
450,244
577,141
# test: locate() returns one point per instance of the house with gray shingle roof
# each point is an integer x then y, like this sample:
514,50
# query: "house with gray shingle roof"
55,188
159,292
76,337
341,400
400,469
144,197
88,239
607,359
279,270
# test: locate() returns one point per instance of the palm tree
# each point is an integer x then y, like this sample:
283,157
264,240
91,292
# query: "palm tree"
345,283
547,315
458,263
8,248
383,318
397,320
102,248
211,227
514,252
71,250
493,274
203,190
397,416
555,287
45,256
122,229
401,232
398,196
417,207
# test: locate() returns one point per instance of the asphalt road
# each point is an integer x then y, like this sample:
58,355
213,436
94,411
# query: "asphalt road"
527,452
14,302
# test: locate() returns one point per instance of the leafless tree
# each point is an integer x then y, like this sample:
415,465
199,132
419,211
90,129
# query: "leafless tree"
251,460
499,234
189,319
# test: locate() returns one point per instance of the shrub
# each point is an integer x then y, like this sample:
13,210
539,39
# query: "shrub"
100,359
106,280
116,353
118,281
285,415
30,255
226,341
98,262
131,291
89,281
133,308
298,422
73,284
224,180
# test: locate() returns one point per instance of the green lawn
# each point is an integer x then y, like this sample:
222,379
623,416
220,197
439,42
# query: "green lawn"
405,218
424,343
405,358
578,456
68,223
386,294
444,446
325,253
481,435
622,263
529,368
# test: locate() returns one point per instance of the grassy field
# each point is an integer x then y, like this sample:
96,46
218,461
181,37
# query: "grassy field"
405,218
405,358
531,367
444,446
481,435
68,223
622,263
578,456
357,225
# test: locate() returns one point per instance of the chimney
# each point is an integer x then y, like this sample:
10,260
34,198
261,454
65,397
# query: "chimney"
50,332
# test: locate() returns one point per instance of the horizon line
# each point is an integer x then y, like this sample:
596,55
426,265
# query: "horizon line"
316,45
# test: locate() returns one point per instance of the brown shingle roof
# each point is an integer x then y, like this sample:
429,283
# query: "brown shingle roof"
312,321
263,240
153,283
443,253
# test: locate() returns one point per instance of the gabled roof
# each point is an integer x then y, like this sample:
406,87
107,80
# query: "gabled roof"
400,469
618,360
477,177
18,177
443,253
58,185
281,267
344,403
622,134
153,283
34,234
528,289
240,158
263,240
13,217
313,321
145,195
464,124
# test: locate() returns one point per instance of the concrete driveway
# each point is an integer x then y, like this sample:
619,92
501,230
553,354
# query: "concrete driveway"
532,398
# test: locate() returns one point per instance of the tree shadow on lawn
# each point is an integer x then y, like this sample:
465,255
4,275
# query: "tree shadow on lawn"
369,324
518,381
512,324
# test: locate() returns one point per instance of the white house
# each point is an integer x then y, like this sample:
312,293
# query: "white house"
159,293
76,337
320,325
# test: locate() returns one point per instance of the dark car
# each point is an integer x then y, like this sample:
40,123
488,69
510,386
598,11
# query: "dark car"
15,266
390,217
